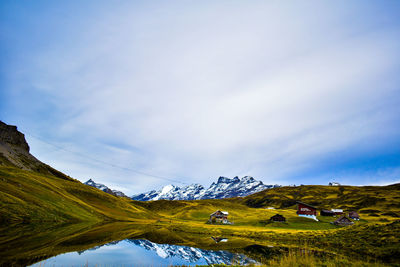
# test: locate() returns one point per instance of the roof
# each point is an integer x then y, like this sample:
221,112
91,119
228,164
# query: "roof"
327,211
353,213
337,210
341,218
299,202
223,212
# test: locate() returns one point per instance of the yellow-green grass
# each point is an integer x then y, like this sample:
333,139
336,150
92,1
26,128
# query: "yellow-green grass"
373,201
30,197
239,214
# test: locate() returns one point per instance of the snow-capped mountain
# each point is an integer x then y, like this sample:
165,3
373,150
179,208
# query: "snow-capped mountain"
192,255
223,188
104,188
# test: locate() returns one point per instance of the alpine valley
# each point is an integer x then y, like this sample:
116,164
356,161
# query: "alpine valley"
47,216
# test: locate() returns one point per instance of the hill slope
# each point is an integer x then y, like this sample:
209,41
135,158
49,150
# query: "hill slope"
33,191
366,199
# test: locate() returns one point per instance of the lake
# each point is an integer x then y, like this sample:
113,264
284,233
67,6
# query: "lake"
119,244
141,252
130,244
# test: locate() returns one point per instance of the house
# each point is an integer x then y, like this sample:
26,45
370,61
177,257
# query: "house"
327,213
277,218
354,215
343,220
306,210
334,184
337,211
219,217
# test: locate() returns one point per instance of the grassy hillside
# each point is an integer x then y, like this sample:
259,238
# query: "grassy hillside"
31,196
371,200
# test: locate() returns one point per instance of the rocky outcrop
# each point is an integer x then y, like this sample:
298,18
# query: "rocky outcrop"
14,151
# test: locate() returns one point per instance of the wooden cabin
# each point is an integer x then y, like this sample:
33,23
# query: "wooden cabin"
327,213
343,220
338,211
277,218
219,217
354,215
306,210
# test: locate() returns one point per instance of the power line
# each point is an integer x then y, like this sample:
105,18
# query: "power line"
106,163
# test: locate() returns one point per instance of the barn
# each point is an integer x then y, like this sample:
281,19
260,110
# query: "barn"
306,210
278,218
337,211
327,213
343,220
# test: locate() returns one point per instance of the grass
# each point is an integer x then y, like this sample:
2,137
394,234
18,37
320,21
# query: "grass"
368,200
27,196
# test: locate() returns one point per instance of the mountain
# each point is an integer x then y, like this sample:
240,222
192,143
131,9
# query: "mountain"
31,191
14,152
104,188
223,188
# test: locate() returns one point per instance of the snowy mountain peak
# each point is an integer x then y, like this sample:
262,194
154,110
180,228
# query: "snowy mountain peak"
223,179
104,188
223,188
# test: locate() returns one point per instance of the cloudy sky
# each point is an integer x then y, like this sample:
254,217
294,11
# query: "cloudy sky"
140,94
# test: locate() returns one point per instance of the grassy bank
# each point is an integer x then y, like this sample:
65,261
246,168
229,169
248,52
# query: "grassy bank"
27,196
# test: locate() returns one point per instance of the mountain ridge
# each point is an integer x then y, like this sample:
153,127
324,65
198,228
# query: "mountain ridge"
104,188
224,188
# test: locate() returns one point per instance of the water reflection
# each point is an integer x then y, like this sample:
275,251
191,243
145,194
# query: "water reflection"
145,253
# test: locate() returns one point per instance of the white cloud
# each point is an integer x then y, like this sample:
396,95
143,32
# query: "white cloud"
205,90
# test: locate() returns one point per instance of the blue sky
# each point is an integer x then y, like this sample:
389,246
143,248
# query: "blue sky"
288,92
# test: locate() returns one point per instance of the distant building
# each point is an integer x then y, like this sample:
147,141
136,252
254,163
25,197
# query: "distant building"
278,218
306,210
327,213
337,211
343,220
219,239
219,217
334,184
354,215
270,208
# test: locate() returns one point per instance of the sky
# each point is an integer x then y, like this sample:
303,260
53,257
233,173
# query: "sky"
141,94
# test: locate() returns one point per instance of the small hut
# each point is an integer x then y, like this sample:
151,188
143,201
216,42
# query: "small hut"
219,217
337,211
277,218
327,213
343,221
354,215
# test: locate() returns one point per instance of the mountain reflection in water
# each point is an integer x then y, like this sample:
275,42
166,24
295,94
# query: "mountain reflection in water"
141,252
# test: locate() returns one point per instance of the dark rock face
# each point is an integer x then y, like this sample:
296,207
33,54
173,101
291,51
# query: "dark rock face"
10,135
14,151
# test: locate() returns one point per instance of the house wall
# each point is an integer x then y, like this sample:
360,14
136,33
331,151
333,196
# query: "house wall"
305,210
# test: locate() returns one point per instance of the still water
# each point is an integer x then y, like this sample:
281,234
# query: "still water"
141,252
